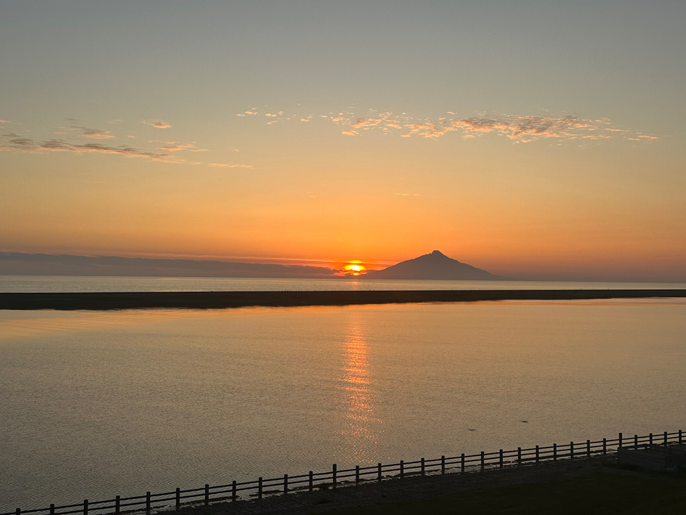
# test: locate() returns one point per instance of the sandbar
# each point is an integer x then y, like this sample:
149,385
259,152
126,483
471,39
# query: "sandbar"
239,299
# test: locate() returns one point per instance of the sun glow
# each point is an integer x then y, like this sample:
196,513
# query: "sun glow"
354,268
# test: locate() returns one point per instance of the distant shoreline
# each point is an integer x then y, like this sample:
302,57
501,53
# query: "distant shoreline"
240,299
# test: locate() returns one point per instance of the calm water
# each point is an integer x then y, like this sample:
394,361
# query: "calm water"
99,404
47,283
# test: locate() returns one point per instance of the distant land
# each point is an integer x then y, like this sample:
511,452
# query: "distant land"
19,263
434,266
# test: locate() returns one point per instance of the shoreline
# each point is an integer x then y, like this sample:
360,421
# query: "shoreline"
239,299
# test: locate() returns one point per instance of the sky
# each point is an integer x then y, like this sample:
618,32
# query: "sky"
536,140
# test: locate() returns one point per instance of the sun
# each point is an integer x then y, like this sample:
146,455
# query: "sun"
354,268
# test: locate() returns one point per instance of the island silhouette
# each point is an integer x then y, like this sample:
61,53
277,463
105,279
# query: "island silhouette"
434,266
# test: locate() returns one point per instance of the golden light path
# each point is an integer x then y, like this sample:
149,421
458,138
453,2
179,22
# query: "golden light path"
361,431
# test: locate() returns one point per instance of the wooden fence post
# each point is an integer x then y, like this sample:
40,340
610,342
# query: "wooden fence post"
357,474
519,455
379,473
665,438
650,440
462,462
402,469
423,470
52,508
443,464
311,481
178,499
679,435
85,507
285,484
604,445
554,452
335,480
17,511
588,448
537,453
259,488
571,450
636,442
117,506
147,503
501,458
234,494
483,461
207,494
620,440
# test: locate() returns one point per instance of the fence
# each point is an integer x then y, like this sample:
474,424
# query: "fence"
335,478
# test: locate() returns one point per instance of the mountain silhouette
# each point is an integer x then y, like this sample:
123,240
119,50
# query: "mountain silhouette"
434,266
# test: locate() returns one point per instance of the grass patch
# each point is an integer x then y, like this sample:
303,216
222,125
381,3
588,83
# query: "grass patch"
602,493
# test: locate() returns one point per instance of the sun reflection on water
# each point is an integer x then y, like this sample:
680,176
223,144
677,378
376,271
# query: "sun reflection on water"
361,431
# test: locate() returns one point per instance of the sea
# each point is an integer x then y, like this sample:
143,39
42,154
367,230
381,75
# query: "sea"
99,404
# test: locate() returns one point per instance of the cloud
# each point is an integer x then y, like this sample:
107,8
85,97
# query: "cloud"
22,142
71,142
159,124
363,123
5,121
172,146
178,147
95,133
164,151
517,128
59,145
223,165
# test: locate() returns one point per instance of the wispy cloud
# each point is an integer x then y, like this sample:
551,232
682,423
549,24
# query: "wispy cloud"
176,147
159,124
71,140
24,144
173,146
517,128
224,165
76,131
95,133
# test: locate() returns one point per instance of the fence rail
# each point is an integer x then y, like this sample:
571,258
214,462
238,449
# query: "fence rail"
334,478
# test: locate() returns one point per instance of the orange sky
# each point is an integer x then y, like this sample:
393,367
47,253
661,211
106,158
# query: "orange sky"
556,160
